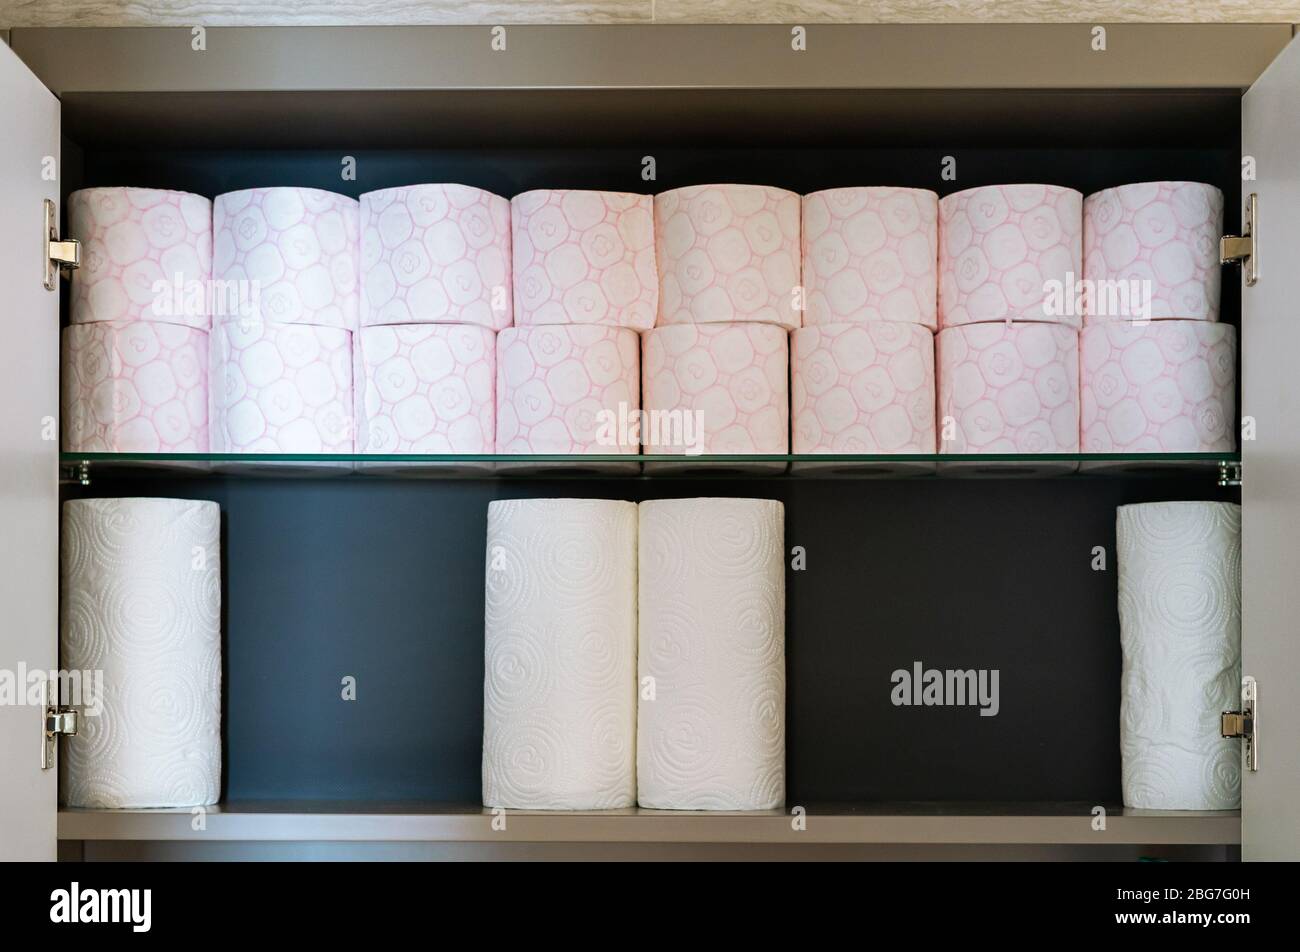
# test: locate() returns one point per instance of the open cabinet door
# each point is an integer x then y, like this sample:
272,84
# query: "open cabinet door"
1270,532
29,484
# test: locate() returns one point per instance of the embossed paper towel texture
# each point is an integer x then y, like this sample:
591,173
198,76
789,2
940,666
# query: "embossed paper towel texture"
1180,631
559,694
141,601
712,641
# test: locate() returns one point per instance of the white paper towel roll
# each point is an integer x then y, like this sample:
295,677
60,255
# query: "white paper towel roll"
559,693
712,638
1180,630
141,602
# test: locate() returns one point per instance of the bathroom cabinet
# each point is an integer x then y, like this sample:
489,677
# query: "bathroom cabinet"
376,571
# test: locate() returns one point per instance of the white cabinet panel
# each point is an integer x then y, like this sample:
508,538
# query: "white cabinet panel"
29,504
1271,488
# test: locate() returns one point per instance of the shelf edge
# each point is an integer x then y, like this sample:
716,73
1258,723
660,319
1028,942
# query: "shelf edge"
463,826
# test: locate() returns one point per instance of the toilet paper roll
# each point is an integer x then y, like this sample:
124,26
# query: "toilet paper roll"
559,694
435,254
297,251
863,388
428,389
1161,387
1010,253
281,388
146,255
134,387
1008,388
716,388
567,388
1180,631
584,258
728,253
871,254
141,604
712,643
1160,242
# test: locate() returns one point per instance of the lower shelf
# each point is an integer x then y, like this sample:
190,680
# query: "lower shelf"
912,823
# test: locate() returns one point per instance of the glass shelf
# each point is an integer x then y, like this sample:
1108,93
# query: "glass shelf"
81,467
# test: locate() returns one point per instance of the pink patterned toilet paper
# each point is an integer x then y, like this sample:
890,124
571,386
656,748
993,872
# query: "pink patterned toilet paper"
435,254
584,258
281,388
871,254
1008,388
296,248
428,388
1162,387
134,387
1010,253
1160,240
729,383
146,255
863,388
728,253
567,388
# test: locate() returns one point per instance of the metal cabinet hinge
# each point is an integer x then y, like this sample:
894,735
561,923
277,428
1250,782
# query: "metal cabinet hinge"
1229,474
1244,723
56,722
1240,249
61,255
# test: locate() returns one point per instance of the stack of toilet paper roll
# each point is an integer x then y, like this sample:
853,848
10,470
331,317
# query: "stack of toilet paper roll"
585,285
1007,352
729,272
1159,371
1180,631
135,356
140,609
862,367
435,289
285,264
587,705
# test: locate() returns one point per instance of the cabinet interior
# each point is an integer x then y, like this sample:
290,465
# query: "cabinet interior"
382,579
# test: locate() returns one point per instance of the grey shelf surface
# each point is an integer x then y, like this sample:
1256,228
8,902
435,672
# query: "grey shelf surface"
912,823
